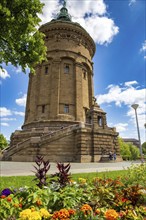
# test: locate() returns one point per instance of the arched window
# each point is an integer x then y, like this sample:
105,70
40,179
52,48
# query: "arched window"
66,68
99,121
84,74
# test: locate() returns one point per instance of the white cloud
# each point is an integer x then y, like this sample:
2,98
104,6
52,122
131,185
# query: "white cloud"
131,2
21,101
19,113
101,29
4,124
143,49
123,94
121,127
4,74
4,112
79,8
130,83
126,95
8,119
92,15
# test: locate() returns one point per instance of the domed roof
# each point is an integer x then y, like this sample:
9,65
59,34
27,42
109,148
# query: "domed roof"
63,15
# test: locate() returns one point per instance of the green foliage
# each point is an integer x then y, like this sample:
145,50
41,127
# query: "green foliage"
3,142
128,151
124,150
144,148
19,181
99,198
134,151
136,175
20,41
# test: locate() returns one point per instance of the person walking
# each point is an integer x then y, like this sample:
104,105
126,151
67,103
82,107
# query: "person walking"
110,155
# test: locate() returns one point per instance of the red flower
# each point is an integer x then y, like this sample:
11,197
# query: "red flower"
3,196
124,199
20,205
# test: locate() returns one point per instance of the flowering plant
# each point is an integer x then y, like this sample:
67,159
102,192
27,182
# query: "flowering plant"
97,199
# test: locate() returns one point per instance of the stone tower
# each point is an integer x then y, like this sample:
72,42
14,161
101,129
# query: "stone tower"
62,120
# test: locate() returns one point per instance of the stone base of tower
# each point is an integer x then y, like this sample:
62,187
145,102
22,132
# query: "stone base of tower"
74,143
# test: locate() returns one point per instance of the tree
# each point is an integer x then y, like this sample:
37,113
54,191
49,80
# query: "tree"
134,151
124,149
144,148
21,43
128,151
3,142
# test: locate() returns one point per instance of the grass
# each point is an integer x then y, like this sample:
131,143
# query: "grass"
21,181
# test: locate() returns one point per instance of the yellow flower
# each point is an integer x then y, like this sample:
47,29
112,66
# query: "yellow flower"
111,214
25,214
35,216
82,180
44,213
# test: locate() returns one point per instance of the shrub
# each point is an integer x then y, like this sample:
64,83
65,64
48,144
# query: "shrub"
128,151
97,199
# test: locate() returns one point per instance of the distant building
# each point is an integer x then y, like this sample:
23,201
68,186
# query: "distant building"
63,122
131,140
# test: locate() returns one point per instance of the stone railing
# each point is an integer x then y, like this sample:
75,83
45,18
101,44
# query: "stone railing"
63,130
11,150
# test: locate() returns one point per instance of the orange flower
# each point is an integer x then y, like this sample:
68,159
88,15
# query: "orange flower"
62,214
39,202
9,199
71,211
111,214
97,211
86,209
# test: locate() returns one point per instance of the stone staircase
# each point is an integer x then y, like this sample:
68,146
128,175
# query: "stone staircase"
36,144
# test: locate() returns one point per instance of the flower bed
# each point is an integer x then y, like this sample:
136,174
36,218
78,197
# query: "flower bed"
61,198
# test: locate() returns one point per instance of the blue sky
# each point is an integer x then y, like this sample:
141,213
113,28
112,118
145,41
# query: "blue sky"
119,29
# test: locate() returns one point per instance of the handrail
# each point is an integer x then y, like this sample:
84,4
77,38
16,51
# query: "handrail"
59,131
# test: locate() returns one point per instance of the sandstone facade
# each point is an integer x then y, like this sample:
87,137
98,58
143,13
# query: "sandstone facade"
63,122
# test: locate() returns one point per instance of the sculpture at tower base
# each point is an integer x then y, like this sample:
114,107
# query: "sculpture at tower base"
63,122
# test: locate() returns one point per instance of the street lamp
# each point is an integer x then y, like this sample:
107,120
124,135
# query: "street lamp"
135,106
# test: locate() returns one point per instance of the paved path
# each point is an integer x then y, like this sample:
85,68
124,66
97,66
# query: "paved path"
26,168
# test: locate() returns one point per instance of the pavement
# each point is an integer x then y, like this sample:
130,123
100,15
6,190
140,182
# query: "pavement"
26,168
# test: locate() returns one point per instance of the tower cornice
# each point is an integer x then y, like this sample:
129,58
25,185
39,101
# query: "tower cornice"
77,33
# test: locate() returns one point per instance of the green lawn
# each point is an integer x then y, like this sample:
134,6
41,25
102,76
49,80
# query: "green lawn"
21,181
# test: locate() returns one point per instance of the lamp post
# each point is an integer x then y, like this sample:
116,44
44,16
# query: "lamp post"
135,106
